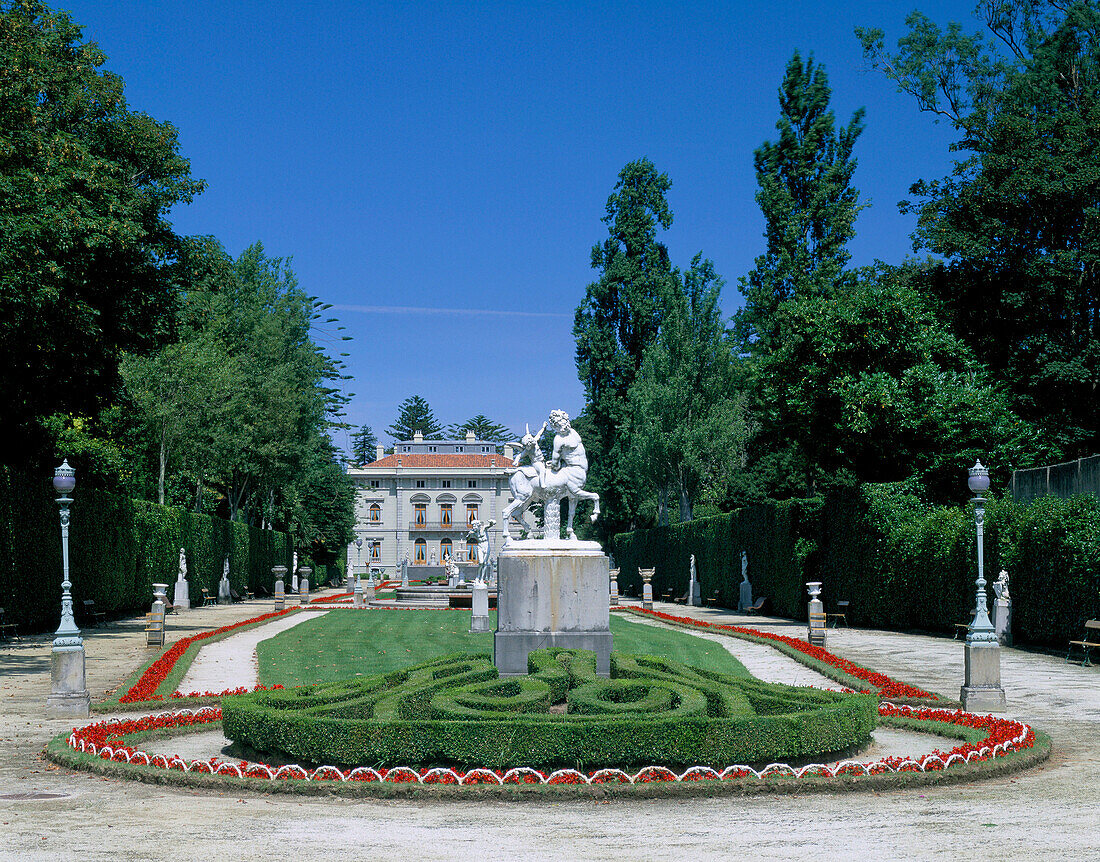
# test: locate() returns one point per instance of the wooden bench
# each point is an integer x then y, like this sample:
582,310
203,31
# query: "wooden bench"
1090,640
961,629
759,606
154,634
711,601
840,614
208,598
815,634
90,613
7,627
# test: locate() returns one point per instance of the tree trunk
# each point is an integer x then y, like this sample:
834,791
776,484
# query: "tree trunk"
662,506
163,465
685,506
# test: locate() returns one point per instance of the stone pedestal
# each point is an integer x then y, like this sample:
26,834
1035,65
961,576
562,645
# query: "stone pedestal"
745,599
181,598
614,574
479,603
303,590
695,594
154,632
224,598
294,583
1002,621
369,590
647,588
357,598
69,696
280,595
981,690
405,573
552,593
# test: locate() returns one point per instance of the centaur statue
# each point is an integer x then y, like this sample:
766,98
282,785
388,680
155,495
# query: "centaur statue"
536,481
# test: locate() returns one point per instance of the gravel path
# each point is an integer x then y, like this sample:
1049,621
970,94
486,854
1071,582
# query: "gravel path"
1048,813
232,662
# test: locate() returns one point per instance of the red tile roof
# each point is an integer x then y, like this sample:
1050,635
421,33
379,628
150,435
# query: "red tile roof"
452,460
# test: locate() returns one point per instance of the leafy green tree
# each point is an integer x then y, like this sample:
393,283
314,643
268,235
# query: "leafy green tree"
618,319
415,414
483,428
364,446
86,185
808,203
687,425
1017,224
871,386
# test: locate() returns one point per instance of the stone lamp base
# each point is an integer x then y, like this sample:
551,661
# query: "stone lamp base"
981,690
69,696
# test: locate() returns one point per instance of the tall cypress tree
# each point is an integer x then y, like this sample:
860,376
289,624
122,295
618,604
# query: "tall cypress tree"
808,203
809,210
619,317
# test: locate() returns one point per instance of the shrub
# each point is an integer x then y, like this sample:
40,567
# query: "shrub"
455,710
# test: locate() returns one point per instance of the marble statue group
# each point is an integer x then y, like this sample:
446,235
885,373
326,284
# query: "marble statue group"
534,480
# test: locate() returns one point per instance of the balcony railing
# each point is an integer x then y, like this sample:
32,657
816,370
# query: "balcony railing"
439,525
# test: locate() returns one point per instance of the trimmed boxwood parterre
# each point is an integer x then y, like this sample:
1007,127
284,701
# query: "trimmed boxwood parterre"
457,711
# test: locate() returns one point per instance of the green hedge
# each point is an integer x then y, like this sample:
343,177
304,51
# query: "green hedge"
780,538
901,563
454,710
118,549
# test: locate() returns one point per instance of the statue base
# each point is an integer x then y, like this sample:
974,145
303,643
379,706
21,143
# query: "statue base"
553,593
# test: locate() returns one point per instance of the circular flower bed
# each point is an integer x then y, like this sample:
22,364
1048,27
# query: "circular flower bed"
106,740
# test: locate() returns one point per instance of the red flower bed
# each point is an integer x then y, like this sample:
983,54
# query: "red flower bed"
105,740
145,688
887,687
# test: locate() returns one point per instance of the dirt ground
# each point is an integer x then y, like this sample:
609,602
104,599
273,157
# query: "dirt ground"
1051,812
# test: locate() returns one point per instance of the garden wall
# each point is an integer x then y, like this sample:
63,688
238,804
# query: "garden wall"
118,549
901,563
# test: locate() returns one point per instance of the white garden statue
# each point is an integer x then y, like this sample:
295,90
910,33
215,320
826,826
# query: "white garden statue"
536,481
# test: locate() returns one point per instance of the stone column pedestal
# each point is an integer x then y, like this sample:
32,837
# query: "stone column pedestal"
280,595
224,597
69,696
181,598
614,574
479,617
647,588
552,593
981,690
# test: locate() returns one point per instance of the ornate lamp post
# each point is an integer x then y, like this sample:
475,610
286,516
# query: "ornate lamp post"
358,553
981,690
69,691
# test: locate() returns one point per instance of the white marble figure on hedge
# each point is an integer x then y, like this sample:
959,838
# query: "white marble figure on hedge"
479,535
564,477
224,596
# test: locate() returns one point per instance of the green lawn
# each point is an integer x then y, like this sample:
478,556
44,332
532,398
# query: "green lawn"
344,644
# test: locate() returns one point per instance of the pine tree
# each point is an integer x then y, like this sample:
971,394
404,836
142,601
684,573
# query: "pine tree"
484,428
364,446
415,415
808,203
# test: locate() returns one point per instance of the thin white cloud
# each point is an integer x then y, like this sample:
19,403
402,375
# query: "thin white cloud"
471,312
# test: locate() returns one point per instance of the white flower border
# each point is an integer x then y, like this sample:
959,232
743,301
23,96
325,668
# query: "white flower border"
529,775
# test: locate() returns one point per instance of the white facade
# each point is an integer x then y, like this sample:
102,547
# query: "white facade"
419,501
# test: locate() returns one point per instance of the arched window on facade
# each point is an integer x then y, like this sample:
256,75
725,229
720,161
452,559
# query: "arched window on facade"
420,552
375,551
471,552
445,548
375,513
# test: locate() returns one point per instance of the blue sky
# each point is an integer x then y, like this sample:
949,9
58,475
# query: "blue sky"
438,171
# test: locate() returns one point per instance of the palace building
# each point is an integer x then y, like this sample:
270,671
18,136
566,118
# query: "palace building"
419,502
